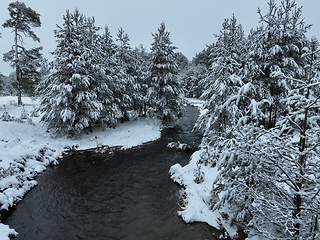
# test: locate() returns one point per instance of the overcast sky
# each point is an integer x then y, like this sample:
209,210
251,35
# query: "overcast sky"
191,23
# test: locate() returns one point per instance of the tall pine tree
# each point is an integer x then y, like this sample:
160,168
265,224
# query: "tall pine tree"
75,90
22,19
164,95
223,81
124,78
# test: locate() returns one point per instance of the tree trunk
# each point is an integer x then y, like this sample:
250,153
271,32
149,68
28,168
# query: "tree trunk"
275,115
297,201
302,163
270,116
18,72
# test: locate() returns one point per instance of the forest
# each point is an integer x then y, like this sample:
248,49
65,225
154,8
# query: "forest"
260,93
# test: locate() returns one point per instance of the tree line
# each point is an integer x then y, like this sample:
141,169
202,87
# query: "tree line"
261,124
94,80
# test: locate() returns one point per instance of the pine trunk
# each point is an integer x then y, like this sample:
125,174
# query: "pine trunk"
18,73
302,162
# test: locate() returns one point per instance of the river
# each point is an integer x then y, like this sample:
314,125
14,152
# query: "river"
128,195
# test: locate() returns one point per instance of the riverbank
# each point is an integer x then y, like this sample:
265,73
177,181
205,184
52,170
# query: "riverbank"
196,182
27,148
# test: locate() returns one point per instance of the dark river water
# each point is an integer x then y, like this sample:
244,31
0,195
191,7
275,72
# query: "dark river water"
126,196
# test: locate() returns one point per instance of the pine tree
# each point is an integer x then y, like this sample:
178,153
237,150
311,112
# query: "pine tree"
274,47
164,96
111,109
139,71
125,81
223,82
22,19
203,57
270,177
1,83
182,61
75,90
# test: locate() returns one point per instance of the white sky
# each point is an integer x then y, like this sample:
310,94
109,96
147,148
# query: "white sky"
192,23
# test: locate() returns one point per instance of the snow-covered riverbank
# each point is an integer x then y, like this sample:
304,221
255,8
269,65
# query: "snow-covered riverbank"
26,148
196,181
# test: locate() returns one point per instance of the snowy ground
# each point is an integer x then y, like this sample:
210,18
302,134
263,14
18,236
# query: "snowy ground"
26,149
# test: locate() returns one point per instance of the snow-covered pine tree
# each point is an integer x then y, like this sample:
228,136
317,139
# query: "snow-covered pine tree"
203,57
1,83
21,21
111,110
164,96
182,61
123,53
224,80
44,70
274,47
109,48
124,80
74,92
281,164
139,71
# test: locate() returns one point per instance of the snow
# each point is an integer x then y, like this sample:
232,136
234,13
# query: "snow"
197,195
5,232
27,148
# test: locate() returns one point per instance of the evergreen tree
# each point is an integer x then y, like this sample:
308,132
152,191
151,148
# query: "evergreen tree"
270,177
224,81
123,50
108,49
75,90
125,81
22,19
274,47
44,68
139,71
182,61
164,96
203,57
1,83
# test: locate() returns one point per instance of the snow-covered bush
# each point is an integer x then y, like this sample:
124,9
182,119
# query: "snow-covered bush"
5,116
